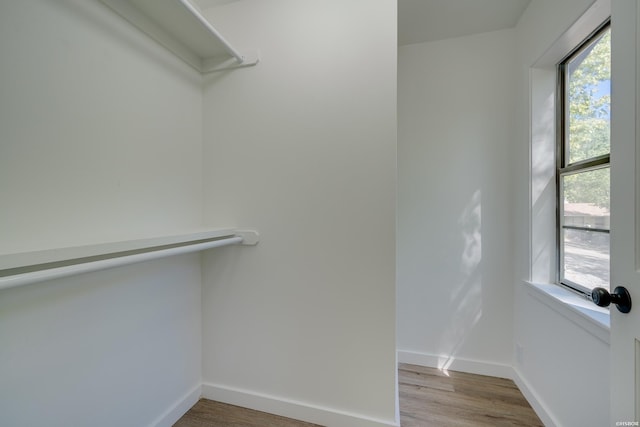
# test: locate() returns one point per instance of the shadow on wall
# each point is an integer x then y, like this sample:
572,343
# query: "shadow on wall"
466,296
543,187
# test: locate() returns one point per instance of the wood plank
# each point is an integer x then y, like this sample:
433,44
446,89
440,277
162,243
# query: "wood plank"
428,397
207,413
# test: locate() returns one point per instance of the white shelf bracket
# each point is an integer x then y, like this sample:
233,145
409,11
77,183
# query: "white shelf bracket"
212,65
180,27
249,237
205,23
240,59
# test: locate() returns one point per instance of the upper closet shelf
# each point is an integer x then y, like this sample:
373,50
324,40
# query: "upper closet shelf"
180,26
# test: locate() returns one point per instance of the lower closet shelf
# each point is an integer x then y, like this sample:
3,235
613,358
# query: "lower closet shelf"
31,267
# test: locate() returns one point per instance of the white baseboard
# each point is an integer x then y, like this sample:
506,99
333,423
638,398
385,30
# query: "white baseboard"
456,364
335,418
289,408
179,408
540,409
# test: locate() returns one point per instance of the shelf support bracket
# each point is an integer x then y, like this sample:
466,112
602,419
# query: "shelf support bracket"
241,59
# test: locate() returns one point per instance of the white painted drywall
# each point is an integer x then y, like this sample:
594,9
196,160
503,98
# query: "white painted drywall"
456,113
118,347
554,355
100,139
303,148
101,129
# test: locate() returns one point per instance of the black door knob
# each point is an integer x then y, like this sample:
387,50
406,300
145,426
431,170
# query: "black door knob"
620,297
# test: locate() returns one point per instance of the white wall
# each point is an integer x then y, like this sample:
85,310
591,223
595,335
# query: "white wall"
119,347
303,148
101,139
101,129
557,351
455,112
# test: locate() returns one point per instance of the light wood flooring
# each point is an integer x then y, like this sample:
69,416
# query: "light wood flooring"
207,413
428,398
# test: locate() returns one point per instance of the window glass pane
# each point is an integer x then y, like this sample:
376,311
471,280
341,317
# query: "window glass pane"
586,258
589,101
585,253
586,199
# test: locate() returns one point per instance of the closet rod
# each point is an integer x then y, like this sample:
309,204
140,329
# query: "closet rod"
239,57
103,264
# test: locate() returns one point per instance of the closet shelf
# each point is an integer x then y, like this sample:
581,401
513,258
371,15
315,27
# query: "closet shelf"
179,26
29,267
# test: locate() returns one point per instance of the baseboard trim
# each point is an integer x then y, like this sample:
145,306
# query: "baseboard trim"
179,408
290,408
455,364
532,397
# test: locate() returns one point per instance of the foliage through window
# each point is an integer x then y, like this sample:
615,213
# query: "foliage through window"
583,164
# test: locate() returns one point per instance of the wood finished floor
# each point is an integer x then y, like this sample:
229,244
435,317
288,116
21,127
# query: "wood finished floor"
207,413
428,398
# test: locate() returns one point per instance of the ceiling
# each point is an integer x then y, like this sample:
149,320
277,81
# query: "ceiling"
429,20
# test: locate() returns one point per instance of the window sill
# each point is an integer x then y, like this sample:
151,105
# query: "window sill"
580,311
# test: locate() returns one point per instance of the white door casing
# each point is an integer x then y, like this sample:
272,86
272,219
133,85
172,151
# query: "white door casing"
625,211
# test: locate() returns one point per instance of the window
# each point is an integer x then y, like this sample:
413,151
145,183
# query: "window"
582,175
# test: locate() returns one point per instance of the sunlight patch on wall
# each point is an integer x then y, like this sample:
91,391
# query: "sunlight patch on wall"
466,298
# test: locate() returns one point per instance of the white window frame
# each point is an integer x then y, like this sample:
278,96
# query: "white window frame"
542,275
563,165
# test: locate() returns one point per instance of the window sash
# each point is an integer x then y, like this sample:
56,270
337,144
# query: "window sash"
563,167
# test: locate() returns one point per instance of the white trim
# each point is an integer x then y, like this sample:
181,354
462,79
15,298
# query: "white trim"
452,363
542,244
584,313
532,397
329,417
598,12
397,388
179,408
530,202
